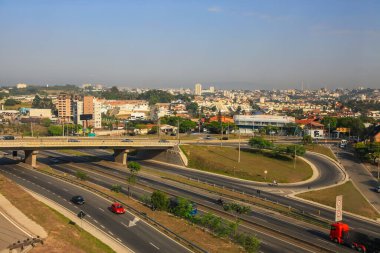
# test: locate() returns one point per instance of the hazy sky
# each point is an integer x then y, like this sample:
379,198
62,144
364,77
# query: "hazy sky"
230,44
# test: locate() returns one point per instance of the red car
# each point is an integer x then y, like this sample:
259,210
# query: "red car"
117,208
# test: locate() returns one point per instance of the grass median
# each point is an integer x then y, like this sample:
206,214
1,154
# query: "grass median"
321,149
252,166
353,200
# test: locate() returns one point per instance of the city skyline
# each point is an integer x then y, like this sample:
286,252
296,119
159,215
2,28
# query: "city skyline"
166,44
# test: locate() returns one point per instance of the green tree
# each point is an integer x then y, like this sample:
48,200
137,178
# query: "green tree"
260,142
183,208
11,102
332,121
55,130
299,150
46,122
307,139
192,108
159,201
134,168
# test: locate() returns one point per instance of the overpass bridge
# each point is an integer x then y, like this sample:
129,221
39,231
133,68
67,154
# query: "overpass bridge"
31,146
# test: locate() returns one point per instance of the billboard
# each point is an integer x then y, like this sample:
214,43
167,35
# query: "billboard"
343,129
338,208
85,117
315,133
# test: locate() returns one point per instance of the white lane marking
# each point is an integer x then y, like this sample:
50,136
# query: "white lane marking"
154,246
35,177
49,182
102,226
95,221
110,232
124,225
118,239
88,215
101,209
65,190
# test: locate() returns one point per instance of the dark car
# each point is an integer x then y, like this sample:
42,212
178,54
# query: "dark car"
163,141
127,140
79,200
220,202
377,189
73,140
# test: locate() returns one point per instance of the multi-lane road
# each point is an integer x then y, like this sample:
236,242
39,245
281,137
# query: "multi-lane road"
139,238
135,236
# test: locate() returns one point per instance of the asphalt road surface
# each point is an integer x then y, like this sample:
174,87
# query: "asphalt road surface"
139,238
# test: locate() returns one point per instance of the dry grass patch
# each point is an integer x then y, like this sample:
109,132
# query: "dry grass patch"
223,160
62,237
353,200
321,149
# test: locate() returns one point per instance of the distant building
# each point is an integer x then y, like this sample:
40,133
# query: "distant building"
262,100
77,111
40,113
212,89
198,89
21,85
251,123
64,107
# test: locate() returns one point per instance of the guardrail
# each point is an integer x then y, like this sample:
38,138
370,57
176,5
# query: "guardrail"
80,144
142,215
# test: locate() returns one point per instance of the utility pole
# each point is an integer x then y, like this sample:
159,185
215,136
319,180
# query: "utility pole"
329,132
378,169
178,131
159,128
31,128
295,154
221,138
239,148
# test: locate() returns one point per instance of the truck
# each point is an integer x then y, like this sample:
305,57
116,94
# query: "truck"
362,241
343,143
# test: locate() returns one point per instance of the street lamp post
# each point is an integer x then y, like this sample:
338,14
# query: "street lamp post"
295,155
239,148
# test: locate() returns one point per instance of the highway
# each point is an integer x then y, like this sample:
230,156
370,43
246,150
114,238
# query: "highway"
139,238
329,173
258,216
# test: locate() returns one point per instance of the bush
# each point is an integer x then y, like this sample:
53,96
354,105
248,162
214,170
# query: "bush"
116,188
183,208
159,201
81,175
260,142
134,167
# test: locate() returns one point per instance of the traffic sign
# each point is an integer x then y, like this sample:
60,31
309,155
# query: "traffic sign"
338,208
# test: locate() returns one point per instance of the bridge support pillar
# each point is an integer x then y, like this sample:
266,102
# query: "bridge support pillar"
120,156
31,157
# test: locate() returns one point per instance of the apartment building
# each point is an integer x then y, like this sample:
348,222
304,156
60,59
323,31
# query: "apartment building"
64,107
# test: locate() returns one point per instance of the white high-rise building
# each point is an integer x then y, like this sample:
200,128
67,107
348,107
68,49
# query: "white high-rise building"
97,116
198,89
212,89
77,111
